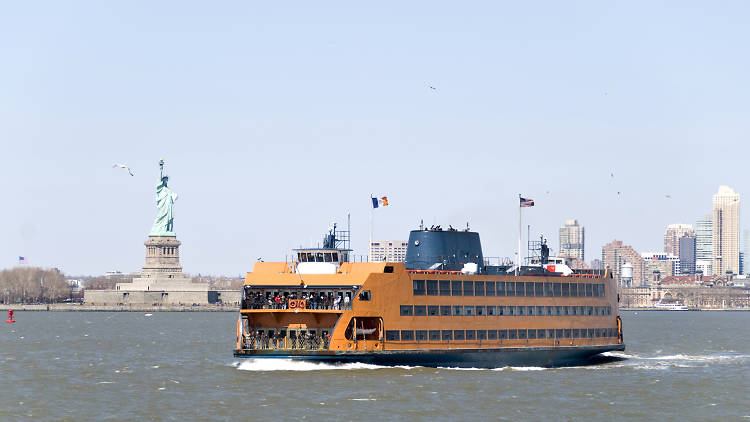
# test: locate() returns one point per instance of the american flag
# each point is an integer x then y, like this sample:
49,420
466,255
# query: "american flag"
22,260
527,202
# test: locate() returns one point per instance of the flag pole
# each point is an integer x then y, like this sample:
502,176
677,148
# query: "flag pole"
369,244
518,256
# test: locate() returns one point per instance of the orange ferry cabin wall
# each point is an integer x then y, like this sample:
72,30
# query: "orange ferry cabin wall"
388,291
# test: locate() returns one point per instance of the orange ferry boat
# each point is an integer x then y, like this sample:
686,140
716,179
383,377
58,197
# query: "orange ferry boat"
441,307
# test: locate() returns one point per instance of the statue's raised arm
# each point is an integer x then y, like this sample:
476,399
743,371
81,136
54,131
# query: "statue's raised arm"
165,198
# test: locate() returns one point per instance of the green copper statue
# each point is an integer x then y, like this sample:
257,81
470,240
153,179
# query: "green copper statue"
164,223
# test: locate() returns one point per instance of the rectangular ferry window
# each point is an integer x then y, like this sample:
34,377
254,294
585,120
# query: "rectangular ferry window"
559,333
420,310
433,310
558,289
519,289
407,310
456,288
573,289
591,332
388,269
480,311
548,311
589,290
538,289
445,288
530,310
421,335
565,289
468,288
481,334
532,334
434,335
491,334
503,334
540,310
522,334
432,287
447,335
602,293
519,310
501,311
576,333
471,335
458,310
458,334
479,288
567,333
418,287
548,290
529,289
491,311
407,335
490,288
510,288
566,310
512,334
500,288
364,295
445,310
558,310
392,335
468,310
589,310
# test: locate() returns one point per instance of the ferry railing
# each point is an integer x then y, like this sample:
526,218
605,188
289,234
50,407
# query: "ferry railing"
264,342
262,303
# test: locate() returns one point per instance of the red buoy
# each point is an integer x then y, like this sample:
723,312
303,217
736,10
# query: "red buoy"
10,316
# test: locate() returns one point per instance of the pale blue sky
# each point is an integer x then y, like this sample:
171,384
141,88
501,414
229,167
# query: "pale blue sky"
277,118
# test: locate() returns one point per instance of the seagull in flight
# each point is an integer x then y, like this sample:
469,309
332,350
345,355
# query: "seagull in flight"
123,166
668,196
433,88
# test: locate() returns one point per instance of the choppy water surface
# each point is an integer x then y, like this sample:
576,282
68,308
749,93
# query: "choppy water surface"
178,366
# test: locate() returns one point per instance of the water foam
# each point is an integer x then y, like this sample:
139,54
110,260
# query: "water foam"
296,365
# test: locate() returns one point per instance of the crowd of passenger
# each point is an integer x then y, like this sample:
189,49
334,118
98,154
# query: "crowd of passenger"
258,300
277,339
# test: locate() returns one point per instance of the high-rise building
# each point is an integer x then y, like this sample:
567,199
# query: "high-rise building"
572,240
672,237
746,248
726,231
658,265
687,254
615,255
704,245
388,250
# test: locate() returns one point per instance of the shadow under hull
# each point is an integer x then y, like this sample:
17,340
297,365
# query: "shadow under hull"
463,358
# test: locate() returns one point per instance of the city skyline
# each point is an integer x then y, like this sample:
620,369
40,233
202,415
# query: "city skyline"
598,113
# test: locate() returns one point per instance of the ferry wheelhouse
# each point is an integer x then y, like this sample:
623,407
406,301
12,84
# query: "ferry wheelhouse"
441,307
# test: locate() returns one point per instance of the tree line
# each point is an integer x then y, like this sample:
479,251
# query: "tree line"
33,285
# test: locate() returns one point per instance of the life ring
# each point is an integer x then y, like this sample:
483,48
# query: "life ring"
301,304
292,303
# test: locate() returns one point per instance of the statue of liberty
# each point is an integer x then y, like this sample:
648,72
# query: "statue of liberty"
164,223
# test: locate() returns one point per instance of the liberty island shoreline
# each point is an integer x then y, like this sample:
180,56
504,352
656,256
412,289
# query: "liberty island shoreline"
73,307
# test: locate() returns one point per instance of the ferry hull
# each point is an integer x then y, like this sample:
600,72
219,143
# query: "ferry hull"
464,358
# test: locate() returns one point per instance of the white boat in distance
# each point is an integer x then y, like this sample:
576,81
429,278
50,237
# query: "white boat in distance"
673,306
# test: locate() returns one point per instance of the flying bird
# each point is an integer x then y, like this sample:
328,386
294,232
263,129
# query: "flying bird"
433,88
123,166
668,196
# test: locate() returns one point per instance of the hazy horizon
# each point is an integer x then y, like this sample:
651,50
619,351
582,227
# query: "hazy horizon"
275,120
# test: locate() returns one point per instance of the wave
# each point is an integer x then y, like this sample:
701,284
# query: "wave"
699,358
297,365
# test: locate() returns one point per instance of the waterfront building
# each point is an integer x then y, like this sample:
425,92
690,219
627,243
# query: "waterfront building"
615,255
687,254
726,231
745,248
704,246
672,237
572,238
388,250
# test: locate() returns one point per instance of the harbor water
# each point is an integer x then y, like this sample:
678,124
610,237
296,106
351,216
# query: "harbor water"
77,366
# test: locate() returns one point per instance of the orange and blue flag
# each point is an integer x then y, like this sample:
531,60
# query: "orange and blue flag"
379,202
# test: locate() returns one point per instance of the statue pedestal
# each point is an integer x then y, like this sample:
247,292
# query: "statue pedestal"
162,270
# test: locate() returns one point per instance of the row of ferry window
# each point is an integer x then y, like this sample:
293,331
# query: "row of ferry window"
471,310
513,334
506,288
